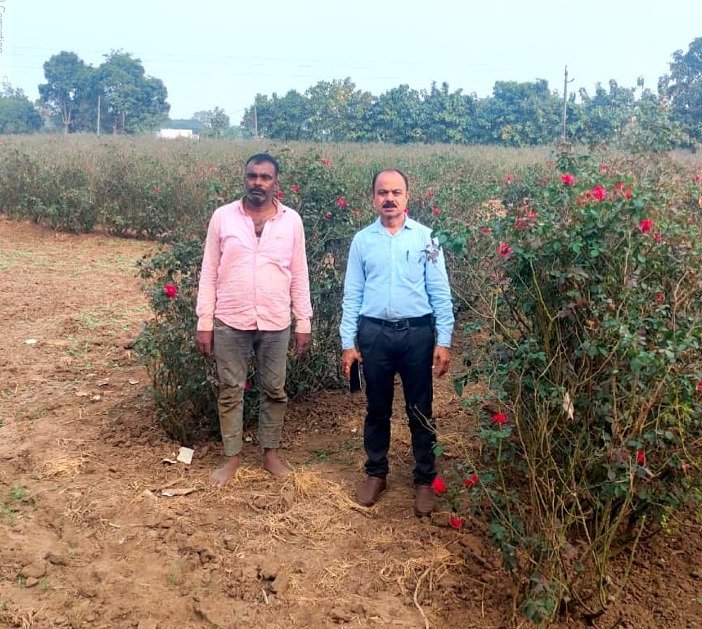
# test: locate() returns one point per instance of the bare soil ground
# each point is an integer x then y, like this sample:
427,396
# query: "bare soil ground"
87,538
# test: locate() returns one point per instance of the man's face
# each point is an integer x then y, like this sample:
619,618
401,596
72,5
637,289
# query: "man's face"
260,183
390,195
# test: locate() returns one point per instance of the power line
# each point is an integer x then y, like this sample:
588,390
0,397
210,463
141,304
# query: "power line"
224,60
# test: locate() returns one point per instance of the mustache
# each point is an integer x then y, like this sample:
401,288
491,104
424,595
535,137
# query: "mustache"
389,204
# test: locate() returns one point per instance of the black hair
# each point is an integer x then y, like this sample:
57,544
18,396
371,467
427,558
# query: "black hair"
262,158
389,170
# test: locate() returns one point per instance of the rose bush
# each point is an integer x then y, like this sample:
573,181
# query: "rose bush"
587,330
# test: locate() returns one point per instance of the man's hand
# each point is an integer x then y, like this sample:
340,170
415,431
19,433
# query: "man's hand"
303,341
442,357
205,341
347,358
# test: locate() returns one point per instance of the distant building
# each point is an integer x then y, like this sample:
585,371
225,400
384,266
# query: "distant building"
175,134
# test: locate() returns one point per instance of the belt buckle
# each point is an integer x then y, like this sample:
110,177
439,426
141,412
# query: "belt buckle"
402,324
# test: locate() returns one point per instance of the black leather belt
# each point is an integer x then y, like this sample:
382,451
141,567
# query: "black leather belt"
402,324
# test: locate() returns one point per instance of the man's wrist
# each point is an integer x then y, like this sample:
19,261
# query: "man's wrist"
303,326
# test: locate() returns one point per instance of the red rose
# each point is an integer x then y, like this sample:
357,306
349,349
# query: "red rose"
699,386
430,194
640,457
500,419
470,481
455,522
295,188
504,250
436,210
645,225
485,230
281,194
438,485
568,179
327,215
604,168
325,161
171,290
341,202
599,192
509,179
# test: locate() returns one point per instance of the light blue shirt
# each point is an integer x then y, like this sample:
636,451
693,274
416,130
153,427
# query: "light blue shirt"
395,277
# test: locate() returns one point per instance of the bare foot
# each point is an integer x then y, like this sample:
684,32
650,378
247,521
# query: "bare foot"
273,463
222,474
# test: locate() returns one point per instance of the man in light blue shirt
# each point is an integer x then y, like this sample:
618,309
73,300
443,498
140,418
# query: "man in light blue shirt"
397,318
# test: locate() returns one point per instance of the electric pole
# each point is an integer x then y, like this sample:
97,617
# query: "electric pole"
98,116
565,102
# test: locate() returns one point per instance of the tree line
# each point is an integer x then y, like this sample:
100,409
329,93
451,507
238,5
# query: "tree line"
516,114
120,98
116,97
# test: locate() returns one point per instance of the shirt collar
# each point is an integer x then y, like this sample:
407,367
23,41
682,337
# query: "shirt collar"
408,224
279,207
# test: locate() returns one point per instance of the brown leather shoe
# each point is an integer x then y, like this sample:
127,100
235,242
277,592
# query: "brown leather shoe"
368,491
424,501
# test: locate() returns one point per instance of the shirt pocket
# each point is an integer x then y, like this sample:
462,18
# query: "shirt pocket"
279,252
412,265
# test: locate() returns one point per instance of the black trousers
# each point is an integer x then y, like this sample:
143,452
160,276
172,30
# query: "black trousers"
387,351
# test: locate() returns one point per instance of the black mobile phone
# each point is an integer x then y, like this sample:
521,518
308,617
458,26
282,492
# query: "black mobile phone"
356,377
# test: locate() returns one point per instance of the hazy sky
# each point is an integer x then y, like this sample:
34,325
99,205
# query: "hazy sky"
218,53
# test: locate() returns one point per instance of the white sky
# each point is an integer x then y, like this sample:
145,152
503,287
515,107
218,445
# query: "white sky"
215,53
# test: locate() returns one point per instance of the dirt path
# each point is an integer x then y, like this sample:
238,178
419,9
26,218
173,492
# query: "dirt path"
88,539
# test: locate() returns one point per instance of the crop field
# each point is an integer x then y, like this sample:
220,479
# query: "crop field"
569,426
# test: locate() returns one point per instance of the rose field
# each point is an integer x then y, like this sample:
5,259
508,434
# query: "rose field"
569,426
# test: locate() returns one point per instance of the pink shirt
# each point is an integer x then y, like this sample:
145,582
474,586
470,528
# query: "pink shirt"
250,283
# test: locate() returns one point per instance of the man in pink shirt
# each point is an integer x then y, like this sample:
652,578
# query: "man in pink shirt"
254,273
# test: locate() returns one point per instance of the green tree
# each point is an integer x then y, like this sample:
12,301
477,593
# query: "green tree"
684,87
277,118
17,114
396,116
132,101
446,116
653,128
519,114
288,117
338,111
66,76
213,122
261,110
601,118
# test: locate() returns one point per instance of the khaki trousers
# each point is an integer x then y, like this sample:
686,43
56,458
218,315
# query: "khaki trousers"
232,351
